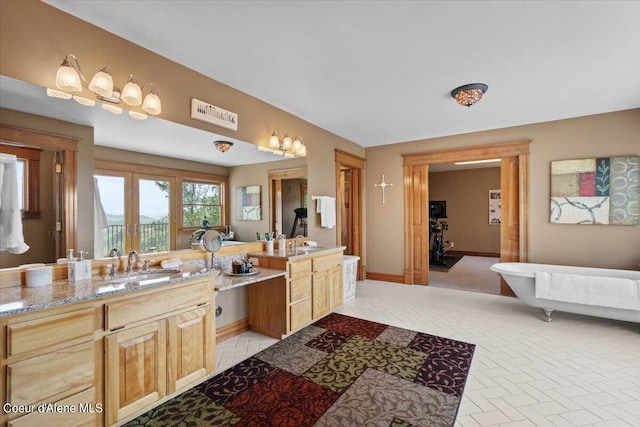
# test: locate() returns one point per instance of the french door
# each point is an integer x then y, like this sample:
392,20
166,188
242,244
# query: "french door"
135,212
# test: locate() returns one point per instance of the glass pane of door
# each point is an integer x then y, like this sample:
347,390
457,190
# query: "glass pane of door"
109,229
152,227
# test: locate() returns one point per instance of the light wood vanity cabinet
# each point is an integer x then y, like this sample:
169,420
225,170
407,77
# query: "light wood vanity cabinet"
159,344
311,289
110,358
51,359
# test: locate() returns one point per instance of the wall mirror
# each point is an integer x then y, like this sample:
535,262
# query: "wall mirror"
121,132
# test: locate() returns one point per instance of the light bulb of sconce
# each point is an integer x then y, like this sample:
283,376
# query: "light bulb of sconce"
58,94
102,83
67,78
84,101
131,93
112,108
296,146
137,116
152,104
303,150
286,142
274,142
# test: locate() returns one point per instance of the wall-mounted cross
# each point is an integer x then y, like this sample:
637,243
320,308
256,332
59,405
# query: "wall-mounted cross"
382,185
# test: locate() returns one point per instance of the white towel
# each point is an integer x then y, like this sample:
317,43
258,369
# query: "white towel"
326,207
11,236
589,290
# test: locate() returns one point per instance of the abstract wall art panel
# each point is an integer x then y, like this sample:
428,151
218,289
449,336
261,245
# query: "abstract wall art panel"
596,191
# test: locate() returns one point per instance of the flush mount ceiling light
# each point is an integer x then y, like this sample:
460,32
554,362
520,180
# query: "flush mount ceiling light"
69,78
223,145
468,95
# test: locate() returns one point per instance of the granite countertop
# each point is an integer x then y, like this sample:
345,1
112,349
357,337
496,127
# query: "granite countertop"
307,252
20,299
226,281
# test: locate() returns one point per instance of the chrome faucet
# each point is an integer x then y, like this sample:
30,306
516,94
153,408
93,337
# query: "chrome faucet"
299,236
132,255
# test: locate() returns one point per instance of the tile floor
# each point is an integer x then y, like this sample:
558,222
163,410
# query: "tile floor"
574,371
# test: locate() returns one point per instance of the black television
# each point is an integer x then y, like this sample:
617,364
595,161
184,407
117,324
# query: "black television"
437,209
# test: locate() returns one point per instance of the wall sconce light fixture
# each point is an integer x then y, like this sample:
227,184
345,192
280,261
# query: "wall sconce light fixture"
70,78
288,147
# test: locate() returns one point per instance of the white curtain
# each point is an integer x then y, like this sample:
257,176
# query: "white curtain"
100,222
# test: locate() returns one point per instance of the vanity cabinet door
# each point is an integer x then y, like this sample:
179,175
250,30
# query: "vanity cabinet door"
336,287
191,351
321,289
135,369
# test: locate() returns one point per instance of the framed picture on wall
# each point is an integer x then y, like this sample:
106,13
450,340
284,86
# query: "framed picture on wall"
495,207
248,203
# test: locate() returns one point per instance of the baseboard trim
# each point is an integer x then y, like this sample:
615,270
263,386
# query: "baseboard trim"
485,254
232,329
395,278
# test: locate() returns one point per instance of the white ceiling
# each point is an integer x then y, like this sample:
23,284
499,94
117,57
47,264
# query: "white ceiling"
380,72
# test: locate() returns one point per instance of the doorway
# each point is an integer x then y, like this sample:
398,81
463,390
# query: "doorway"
279,181
350,204
514,228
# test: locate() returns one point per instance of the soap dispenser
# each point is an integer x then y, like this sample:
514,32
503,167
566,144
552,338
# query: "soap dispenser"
282,244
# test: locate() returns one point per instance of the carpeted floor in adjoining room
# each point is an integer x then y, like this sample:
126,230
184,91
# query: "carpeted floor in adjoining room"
471,273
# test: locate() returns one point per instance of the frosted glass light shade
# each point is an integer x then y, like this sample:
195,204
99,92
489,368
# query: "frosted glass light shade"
58,94
131,93
152,103
102,83
112,108
274,142
84,101
286,142
137,116
297,144
68,79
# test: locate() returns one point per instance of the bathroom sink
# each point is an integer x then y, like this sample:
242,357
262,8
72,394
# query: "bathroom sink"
141,278
310,248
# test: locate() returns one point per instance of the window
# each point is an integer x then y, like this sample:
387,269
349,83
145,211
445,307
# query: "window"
154,209
201,202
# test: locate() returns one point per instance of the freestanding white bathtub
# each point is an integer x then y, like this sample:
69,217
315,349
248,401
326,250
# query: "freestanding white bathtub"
521,278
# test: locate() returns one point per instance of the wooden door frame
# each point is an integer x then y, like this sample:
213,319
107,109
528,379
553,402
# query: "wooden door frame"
357,164
275,178
517,152
67,147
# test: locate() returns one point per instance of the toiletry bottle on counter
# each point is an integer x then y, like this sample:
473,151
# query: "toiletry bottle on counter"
69,257
79,269
282,244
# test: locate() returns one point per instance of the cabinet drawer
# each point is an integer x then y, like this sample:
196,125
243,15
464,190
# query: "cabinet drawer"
300,289
300,314
52,376
327,262
135,309
85,415
49,331
299,269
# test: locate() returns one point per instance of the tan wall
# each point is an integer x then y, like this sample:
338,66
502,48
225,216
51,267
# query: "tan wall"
467,195
603,135
84,134
36,37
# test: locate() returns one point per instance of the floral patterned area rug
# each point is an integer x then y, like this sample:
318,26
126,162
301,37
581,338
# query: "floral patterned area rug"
340,371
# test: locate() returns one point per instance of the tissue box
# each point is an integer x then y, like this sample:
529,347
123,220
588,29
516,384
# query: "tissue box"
79,270
39,276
